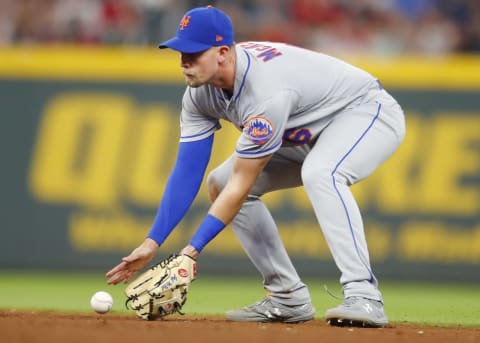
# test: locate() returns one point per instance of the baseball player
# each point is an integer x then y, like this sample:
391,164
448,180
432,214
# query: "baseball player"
304,118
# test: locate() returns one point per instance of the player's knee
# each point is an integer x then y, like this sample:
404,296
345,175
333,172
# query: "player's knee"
324,176
314,177
213,186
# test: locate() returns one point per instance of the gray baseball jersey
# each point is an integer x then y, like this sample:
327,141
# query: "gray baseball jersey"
283,95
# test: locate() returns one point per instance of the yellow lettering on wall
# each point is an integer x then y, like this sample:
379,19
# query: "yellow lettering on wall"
294,197
79,149
304,238
435,241
223,147
301,238
106,232
394,190
450,156
114,231
379,239
152,154
299,198
225,142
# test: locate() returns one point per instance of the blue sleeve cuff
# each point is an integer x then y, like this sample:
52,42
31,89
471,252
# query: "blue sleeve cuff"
208,229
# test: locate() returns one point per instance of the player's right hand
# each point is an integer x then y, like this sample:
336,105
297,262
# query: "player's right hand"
132,263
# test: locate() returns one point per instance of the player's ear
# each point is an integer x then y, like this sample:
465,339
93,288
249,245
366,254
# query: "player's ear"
223,52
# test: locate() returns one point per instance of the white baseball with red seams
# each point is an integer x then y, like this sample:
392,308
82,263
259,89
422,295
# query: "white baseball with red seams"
101,302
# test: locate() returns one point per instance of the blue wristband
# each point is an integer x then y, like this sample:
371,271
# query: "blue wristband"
208,229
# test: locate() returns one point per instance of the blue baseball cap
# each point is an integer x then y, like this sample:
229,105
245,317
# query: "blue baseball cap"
200,29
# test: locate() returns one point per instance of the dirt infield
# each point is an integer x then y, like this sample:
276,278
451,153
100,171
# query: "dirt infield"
46,327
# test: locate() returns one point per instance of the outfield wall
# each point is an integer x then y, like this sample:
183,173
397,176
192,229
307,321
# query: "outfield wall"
89,136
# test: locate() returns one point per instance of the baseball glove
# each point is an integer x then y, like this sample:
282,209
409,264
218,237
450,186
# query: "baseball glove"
162,289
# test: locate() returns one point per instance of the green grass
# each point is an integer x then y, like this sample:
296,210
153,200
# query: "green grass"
416,303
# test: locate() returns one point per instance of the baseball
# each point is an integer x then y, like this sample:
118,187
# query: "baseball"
101,302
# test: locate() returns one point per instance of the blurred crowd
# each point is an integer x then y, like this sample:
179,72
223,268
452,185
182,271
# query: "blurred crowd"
382,27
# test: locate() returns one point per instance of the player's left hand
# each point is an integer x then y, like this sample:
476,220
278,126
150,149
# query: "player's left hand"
162,289
132,263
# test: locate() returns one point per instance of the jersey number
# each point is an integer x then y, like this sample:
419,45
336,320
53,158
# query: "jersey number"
298,136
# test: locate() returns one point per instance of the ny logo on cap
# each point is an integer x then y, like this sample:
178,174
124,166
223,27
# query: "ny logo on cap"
184,23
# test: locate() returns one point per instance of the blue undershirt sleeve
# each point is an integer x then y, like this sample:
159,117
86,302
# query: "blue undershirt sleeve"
182,187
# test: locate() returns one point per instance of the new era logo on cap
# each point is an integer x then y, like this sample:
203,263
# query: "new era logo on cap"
200,29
